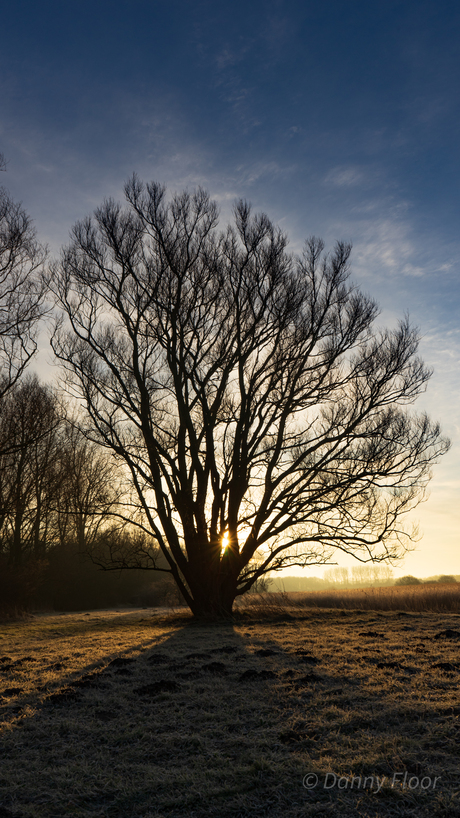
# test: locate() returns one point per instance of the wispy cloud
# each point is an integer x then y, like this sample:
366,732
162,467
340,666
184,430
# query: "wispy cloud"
385,246
351,176
249,174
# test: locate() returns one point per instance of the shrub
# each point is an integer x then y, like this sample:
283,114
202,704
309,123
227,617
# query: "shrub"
409,580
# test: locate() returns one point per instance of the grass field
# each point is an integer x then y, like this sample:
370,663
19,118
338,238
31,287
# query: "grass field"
321,713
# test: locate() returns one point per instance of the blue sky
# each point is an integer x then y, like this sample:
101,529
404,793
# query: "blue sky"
339,119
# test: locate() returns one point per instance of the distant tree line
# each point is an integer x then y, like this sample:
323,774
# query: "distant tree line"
442,579
360,575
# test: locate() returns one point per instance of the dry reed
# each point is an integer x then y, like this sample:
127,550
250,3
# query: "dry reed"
417,598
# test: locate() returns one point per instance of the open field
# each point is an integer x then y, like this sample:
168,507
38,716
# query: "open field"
420,598
127,715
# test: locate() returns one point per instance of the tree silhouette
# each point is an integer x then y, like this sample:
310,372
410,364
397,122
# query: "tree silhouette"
21,289
261,416
30,423
88,489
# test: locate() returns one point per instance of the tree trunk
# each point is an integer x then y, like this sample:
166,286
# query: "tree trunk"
212,600
16,543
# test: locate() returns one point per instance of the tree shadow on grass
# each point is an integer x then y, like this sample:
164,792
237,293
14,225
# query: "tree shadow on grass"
209,720
169,728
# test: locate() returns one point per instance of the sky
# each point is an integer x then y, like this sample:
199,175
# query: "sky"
339,119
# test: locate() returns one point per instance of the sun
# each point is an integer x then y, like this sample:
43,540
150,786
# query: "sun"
225,541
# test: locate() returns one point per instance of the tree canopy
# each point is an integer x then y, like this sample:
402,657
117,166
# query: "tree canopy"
262,416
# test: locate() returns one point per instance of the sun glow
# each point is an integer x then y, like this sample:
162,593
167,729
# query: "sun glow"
225,541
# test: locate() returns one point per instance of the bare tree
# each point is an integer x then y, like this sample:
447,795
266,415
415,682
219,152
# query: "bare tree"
21,289
29,444
263,419
88,489
57,489
338,576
